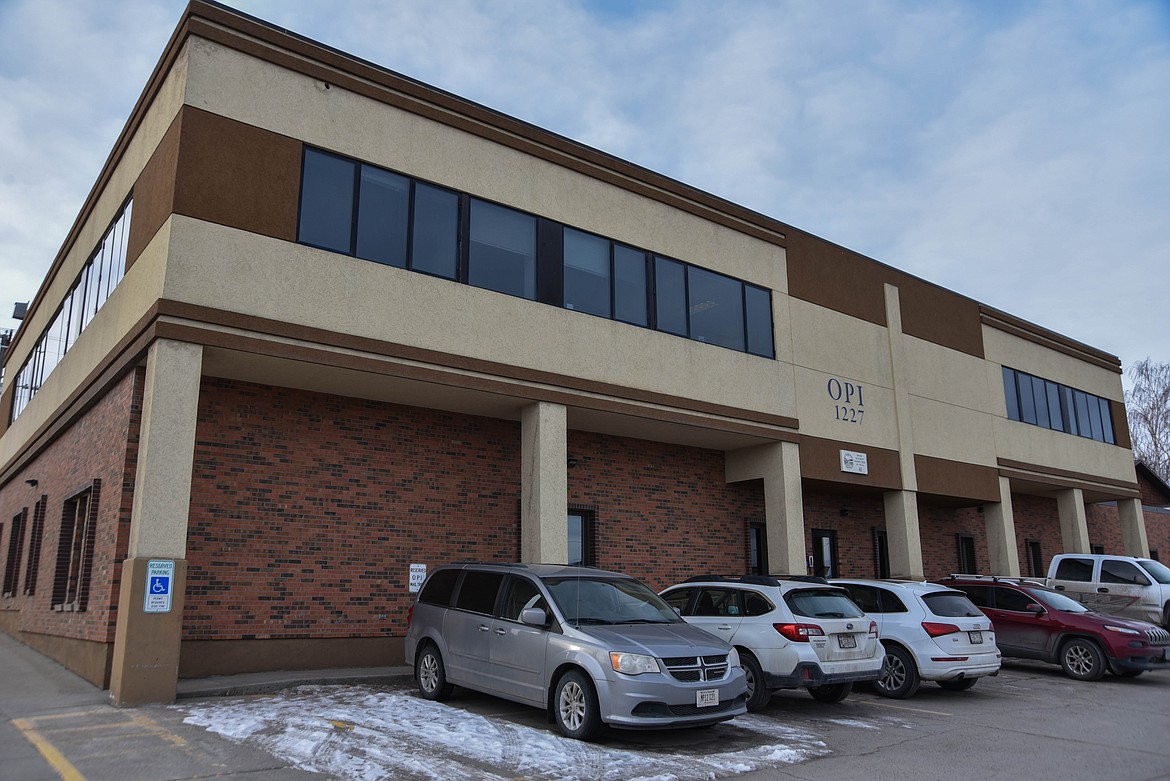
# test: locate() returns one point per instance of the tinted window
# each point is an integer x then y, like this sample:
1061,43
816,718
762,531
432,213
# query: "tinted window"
586,273
679,598
383,209
1040,394
717,602
1010,395
522,594
670,292
866,597
439,587
327,201
1056,416
1010,599
629,290
1027,400
1069,410
949,604
1075,569
478,591
759,321
716,308
822,603
1081,401
502,254
1122,572
435,239
756,604
1106,421
981,596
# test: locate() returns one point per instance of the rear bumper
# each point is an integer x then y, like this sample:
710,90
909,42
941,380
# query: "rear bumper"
808,674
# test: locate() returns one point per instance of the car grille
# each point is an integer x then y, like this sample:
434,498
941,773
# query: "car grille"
697,668
1158,636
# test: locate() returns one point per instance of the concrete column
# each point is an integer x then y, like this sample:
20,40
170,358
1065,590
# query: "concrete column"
1133,527
146,645
544,490
1002,551
778,465
902,534
1074,529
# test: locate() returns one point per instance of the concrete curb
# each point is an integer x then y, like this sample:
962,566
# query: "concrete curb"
269,682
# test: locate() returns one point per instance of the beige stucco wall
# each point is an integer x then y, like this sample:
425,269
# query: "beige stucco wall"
953,408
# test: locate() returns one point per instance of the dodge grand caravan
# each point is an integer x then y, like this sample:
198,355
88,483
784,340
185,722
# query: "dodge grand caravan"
589,646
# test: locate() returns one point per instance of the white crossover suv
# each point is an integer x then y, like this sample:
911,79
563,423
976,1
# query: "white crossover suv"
791,632
930,632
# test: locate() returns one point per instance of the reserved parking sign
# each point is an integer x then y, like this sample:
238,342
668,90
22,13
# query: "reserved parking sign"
160,583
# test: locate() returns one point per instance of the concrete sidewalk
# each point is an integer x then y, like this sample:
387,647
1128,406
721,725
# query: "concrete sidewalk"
55,725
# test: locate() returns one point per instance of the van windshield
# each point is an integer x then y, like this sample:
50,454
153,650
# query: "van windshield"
609,601
1158,571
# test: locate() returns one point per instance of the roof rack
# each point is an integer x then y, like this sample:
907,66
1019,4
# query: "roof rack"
996,578
756,580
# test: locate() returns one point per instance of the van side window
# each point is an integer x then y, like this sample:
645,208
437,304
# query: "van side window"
1122,572
478,591
1075,569
439,588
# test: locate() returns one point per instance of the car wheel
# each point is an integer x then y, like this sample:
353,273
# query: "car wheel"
958,684
899,677
430,675
575,706
1166,617
1082,659
758,694
830,692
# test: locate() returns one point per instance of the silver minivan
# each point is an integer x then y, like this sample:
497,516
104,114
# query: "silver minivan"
591,647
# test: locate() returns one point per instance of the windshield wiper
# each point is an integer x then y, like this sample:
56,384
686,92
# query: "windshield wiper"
592,620
644,621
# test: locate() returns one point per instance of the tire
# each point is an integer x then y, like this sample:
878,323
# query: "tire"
430,675
959,684
1166,617
899,677
830,692
758,694
575,706
1082,660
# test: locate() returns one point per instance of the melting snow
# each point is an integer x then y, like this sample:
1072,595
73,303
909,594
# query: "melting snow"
367,733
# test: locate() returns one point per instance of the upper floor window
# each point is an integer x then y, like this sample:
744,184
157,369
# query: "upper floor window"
1058,407
368,212
94,284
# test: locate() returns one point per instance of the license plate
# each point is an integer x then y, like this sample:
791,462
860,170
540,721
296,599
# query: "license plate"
847,641
705,698
976,637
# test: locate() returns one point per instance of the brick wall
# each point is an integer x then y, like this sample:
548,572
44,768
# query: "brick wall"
307,509
101,445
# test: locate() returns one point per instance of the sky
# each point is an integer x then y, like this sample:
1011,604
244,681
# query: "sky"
1014,151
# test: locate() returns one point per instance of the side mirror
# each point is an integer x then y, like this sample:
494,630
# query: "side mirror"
1033,607
534,616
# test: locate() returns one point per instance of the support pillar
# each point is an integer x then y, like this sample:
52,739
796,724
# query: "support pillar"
1133,527
1002,552
1074,528
544,490
902,534
146,644
778,465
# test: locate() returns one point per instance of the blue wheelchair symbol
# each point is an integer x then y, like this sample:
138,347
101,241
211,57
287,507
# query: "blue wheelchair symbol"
160,585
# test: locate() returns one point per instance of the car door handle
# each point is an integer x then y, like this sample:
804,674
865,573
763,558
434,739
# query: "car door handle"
501,631
724,627
1060,588
484,627
1102,590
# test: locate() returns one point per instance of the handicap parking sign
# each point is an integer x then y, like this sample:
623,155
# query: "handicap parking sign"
160,577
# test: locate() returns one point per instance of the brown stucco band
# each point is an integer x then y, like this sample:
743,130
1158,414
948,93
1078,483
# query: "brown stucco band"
942,477
820,459
202,658
1063,478
154,192
1031,332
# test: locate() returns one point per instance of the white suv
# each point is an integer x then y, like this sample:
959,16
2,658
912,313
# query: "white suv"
931,633
791,632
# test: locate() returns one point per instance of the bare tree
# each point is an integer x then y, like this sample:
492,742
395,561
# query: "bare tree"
1148,408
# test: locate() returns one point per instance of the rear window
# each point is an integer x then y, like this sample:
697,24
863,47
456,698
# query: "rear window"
822,603
951,605
1075,569
439,587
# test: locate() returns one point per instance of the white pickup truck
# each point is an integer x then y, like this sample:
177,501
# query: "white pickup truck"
1122,585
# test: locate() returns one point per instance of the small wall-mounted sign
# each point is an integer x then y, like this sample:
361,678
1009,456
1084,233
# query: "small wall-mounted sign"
854,463
418,573
160,585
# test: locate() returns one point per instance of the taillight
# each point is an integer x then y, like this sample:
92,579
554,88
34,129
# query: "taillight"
409,615
938,630
873,629
799,633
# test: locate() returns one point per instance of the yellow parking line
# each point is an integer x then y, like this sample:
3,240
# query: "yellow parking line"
915,710
54,757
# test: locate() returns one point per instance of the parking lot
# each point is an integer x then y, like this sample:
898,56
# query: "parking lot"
1029,722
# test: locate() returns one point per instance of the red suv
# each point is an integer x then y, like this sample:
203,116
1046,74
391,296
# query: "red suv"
1034,622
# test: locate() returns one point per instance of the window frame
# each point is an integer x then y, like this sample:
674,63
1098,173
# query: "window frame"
75,550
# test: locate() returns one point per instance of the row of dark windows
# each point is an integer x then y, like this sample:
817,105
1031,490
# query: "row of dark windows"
93,285
368,212
75,546
1058,407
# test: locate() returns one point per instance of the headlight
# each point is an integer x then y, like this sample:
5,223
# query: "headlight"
733,658
1122,630
633,664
